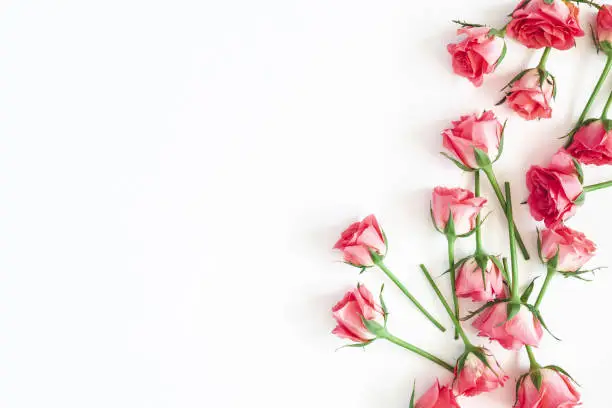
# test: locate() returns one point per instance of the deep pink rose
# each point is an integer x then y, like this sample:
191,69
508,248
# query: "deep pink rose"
469,284
536,24
348,313
477,54
604,27
592,144
556,391
461,203
438,397
553,190
523,329
472,131
530,97
475,377
574,248
359,239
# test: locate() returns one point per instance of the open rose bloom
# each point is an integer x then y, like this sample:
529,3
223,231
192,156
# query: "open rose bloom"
438,397
483,132
530,96
359,239
553,190
475,377
536,24
477,54
573,247
604,28
592,144
469,281
556,391
459,202
348,313
523,329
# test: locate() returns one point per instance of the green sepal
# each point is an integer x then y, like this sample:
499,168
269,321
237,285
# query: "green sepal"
549,1
500,266
501,142
482,308
538,316
449,230
606,47
540,245
516,77
536,379
607,124
382,304
554,261
501,101
465,24
412,396
580,199
457,163
512,310
354,345
482,158
482,262
520,6
374,327
579,171
457,264
433,220
554,85
461,361
594,38
470,233
528,291
519,381
562,371
504,50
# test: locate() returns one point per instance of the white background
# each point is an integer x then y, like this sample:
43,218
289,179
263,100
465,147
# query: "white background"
173,175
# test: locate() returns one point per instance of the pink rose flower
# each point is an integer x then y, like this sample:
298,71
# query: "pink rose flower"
461,203
573,247
469,284
592,144
359,239
553,190
355,305
531,97
523,329
477,54
472,131
438,397
475,377
604,28
556,391
536,24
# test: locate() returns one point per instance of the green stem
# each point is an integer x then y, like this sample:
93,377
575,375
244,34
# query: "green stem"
478,226
451,264
604,113
403,288
515,289
600,82
532,360
417,350
447,307
542,64
502,201
549,274
597,186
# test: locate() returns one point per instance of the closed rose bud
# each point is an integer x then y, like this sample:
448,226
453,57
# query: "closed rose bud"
592,144
574,249
538,24
556,391
438,397
459,202
477,54
523,329
483,132
553,190
469,283
530,96
359,239
473,376
604,28
356,305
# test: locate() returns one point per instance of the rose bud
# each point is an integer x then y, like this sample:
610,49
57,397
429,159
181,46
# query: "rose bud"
523,329
554,190
473,376
530,95
359,239
604,28
438,397
483,132
571,248
459,202
592,143
356,305
555,391
477,54
469,281
538,24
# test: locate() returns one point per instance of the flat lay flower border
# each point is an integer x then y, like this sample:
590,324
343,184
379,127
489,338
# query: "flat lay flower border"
474,142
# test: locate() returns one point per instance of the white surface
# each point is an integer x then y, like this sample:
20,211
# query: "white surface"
173,175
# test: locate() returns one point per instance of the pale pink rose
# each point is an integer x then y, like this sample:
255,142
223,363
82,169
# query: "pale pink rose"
592,144
469,284
536,24
359,239
573,247
473,131
475,377
355,305
556,391
604,27
553,190
438,397
477,54
530,97
523,329
461,203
